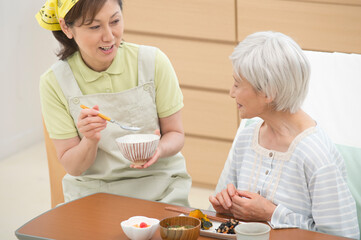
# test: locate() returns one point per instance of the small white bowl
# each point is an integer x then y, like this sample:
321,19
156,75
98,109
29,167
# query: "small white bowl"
136,233
252,231
138,148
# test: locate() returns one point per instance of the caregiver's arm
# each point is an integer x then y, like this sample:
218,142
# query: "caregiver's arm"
75,154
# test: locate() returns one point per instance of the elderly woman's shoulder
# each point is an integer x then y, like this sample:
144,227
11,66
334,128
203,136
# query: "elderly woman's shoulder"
317,136
318,148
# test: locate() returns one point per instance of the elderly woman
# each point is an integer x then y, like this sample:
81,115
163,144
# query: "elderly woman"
284,168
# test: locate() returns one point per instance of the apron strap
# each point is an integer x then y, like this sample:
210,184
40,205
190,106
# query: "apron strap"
146,64
66,79
70,88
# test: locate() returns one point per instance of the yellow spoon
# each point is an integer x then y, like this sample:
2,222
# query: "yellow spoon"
113,121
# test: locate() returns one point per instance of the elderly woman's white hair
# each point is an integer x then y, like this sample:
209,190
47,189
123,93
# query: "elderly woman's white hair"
274,64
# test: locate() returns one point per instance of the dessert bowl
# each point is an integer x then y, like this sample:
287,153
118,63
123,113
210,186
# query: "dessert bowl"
140,227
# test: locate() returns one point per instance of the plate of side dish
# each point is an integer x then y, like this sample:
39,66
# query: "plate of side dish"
224,225
212,232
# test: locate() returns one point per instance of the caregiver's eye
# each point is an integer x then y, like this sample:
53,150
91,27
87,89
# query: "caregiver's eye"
95,27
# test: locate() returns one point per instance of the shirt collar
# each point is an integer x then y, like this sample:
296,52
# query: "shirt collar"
89,75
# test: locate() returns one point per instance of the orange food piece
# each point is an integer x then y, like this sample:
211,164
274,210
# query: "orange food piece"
205,223
197,214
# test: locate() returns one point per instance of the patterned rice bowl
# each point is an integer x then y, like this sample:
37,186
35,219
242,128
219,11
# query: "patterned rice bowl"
138,148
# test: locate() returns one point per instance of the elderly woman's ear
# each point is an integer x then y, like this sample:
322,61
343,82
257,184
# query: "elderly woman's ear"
268,99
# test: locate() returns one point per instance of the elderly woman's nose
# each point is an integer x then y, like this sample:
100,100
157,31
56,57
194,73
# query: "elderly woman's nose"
231,92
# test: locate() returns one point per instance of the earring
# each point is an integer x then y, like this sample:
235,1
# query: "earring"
121,43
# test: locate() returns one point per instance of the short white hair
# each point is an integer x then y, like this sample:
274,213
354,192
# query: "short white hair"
274,64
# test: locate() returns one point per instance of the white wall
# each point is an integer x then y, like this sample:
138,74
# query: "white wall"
27,50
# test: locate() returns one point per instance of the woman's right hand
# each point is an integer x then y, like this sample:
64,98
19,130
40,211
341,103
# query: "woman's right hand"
90,124
222,202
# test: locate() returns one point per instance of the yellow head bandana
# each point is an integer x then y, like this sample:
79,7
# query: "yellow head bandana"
49,14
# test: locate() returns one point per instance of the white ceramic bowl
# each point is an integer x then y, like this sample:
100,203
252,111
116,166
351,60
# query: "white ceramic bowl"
136,233
138,148
252,231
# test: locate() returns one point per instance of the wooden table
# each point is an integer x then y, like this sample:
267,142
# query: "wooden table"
98,216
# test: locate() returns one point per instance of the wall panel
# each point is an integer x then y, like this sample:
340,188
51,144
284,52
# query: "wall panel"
205,159
315,26
206,19
209,114
341,2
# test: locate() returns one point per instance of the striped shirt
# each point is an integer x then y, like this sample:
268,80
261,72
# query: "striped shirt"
307,183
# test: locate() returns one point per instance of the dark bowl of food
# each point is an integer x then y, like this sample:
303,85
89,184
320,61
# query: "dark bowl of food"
180,228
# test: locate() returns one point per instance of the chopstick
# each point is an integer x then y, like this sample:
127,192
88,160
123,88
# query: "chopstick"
218,219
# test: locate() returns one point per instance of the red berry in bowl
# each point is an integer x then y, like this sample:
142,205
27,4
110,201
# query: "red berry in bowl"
143,225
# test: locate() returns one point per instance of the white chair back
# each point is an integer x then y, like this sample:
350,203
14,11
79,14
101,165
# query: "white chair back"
334,101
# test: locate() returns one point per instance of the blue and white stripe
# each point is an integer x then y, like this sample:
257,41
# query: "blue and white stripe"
307,183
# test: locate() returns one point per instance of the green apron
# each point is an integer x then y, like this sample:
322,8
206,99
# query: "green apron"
167,180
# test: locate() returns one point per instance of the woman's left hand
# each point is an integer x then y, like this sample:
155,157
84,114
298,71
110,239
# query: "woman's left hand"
251,206
172,139
152,159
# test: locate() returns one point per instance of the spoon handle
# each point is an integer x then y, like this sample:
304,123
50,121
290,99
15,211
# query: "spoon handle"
99,114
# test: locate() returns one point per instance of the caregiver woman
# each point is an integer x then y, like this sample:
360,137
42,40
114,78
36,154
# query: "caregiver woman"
135,85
